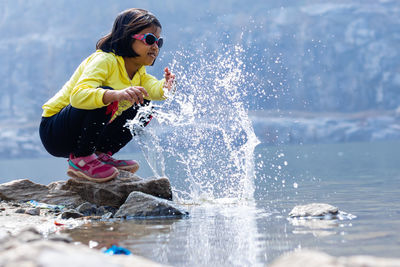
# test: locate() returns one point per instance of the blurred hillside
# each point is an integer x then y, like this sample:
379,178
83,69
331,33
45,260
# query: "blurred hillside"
312,56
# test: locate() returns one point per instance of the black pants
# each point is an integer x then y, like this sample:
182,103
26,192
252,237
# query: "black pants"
82,132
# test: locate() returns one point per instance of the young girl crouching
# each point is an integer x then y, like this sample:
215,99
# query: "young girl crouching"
84,121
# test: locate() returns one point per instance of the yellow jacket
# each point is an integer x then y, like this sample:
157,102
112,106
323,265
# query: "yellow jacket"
101,69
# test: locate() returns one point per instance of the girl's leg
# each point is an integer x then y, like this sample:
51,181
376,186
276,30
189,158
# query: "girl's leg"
73,130
73,133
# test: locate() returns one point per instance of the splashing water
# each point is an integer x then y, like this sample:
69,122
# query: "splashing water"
202,138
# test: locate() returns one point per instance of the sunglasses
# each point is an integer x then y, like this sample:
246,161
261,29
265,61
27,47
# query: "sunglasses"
149,39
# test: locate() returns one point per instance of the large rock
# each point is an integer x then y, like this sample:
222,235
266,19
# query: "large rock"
312,258
313,210
115,192
24,190
143,205
75,192
30,249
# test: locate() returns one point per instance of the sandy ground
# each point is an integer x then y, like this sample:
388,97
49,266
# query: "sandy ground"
46,223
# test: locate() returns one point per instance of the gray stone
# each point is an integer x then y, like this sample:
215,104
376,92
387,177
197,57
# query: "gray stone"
34,212
20,210
313,210
87,209
312,258
71,214
139,204
25,190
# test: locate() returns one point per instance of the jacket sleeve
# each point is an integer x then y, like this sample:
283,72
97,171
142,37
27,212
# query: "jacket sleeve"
86,94
153,87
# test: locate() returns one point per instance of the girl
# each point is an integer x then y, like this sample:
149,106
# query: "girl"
85,120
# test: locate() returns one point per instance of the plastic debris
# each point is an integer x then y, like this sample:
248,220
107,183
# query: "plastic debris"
115,250
45,205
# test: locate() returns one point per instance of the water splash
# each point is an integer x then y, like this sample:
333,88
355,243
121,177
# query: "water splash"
202,137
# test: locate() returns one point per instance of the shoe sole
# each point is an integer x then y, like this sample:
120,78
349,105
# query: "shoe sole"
78,174
131,169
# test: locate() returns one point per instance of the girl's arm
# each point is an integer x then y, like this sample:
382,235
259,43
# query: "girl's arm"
132,94
154,87
86,93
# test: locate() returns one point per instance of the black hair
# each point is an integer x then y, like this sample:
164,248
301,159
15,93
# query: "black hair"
129,22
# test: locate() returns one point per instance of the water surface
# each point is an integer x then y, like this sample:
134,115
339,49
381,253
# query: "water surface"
360,178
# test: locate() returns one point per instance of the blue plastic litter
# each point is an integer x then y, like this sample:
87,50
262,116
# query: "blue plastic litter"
45,205
114,250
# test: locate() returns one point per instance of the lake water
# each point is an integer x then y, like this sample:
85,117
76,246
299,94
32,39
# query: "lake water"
362,179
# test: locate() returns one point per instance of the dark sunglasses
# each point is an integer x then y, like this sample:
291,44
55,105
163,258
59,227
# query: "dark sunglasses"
149,39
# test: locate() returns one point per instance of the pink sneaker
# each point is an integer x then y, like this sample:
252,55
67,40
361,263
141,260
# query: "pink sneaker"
126,165
90,168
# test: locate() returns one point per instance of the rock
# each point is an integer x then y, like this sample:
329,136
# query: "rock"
21,190
74,192
312,258
71,214
313,210
30,249
115,192
34,212
87,209
25,190
20,211
139,204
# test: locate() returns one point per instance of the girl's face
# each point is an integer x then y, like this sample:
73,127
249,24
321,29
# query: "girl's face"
147,53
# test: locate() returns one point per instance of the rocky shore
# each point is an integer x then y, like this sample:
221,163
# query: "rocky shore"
30,248
32,214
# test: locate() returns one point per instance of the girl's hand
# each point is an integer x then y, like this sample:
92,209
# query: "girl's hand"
132,94
169,79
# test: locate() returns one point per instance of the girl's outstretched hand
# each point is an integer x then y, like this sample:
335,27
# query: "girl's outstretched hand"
169,79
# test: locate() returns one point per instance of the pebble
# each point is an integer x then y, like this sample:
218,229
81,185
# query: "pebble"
20,211
71,214
87,209
34,212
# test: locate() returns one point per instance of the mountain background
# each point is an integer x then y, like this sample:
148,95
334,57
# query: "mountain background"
333,66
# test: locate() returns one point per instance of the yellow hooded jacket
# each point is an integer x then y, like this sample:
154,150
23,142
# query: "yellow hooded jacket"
101,69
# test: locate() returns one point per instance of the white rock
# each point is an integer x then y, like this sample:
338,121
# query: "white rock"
313,210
